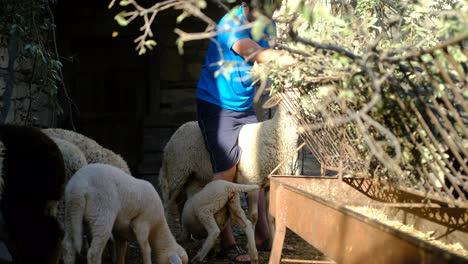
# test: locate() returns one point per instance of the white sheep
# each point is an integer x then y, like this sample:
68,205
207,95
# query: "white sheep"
75,147
264,146
73,157
206,211
73,160
93,151
114,203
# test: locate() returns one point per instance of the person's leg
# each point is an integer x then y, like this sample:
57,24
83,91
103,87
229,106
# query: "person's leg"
220,128
227,237
227,175
262,231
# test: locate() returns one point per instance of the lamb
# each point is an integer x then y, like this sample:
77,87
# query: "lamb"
115,203
264,146
205,213
33,175
93,152
79,150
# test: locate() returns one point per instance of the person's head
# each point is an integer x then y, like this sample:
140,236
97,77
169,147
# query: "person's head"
249,11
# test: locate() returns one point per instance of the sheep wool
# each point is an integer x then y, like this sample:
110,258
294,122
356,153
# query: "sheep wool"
114,203
73,158
206,211
93,151
264,146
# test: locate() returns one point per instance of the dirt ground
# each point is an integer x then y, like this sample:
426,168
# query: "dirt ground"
297,249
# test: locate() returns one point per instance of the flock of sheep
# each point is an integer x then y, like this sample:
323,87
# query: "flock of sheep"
72,180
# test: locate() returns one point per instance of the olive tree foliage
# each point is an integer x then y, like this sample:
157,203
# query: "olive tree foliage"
31,69
352,25
333,43
346,86
134,11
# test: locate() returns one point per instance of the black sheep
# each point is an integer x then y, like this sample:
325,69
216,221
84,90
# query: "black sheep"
33,176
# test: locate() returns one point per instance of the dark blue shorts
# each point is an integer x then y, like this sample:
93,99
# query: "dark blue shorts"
220,128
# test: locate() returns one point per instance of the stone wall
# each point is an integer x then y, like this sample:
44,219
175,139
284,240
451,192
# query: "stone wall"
21,99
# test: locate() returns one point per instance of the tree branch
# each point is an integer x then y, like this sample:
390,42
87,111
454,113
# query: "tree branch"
317,45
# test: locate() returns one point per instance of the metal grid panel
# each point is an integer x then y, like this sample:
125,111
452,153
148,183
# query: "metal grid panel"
426,92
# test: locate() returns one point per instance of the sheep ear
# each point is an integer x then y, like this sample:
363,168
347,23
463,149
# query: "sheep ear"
273,101
174,259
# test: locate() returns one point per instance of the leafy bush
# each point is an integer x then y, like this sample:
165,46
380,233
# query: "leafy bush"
356,76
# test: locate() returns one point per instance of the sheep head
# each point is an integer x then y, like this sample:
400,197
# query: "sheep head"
175,256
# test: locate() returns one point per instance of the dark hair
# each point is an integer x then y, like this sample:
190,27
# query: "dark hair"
247,2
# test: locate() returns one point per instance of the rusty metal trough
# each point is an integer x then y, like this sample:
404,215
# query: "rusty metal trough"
318,210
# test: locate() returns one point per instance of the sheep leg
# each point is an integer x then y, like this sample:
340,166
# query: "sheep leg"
120,249
185,234
141,230
101,230
172,205
69,253
271,220
110,247
253,206
208,221
238,216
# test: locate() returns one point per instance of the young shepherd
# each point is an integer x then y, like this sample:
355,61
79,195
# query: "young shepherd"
264,145
113,202
205,214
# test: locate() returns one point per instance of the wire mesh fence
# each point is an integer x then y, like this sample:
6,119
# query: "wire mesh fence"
405,123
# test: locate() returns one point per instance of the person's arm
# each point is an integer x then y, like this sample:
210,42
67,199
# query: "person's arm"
250,50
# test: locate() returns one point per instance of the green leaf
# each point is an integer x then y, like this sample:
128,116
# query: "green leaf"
258,29
216,74
182,16
458,54
124,3
308,14
150,44
406,155
180,46
120,18
346,94
142,51
325,90
201,4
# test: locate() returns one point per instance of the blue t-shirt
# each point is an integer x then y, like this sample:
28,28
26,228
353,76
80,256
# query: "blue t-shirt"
225,78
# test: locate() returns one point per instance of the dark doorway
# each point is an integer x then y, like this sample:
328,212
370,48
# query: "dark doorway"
105,77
